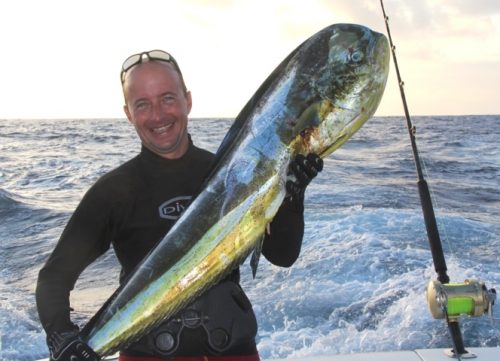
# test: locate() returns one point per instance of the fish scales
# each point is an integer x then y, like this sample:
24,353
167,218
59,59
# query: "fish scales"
314,101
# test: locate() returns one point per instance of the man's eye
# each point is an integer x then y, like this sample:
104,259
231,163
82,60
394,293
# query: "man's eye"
142,106
168,99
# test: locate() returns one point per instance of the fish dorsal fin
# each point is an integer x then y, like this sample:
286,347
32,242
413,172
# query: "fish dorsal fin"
239,122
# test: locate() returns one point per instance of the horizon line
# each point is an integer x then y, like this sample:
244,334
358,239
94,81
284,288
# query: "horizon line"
232,118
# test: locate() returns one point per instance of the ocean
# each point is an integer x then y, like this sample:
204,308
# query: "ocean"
359,283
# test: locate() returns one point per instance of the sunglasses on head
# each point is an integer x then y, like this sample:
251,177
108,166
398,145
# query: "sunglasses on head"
153,55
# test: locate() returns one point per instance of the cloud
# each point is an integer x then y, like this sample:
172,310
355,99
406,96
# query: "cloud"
476,7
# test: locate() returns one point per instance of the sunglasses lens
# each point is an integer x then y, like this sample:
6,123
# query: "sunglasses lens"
131,61
160,55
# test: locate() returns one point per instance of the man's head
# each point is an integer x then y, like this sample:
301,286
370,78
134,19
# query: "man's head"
157,102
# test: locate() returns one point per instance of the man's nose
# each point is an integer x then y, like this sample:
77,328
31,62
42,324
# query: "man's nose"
156,111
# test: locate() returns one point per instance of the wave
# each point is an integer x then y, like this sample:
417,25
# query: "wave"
13,206
9,202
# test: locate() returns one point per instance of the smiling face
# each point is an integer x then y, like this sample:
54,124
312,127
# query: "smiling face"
158,107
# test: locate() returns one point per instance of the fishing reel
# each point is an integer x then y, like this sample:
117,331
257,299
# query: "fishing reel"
452,300
455,299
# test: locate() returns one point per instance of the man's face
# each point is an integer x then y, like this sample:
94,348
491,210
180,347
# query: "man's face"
157,106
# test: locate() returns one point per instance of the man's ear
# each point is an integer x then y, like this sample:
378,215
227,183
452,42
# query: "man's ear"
189,100
127,113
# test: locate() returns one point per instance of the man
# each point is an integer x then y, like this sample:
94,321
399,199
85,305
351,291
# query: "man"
123,208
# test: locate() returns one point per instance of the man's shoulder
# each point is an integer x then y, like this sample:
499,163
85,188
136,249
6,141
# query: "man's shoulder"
203,154
117,185
125,174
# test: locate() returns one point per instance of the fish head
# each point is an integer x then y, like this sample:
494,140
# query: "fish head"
345,69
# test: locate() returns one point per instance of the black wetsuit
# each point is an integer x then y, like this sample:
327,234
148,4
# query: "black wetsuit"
132,208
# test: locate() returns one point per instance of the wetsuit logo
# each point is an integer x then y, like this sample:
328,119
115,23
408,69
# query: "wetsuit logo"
173,208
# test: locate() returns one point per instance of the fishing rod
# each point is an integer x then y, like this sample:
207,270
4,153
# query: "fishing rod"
425,197
445,300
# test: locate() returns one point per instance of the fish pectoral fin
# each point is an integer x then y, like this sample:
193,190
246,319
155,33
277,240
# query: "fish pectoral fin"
254,261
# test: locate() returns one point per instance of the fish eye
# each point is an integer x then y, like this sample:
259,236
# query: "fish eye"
356,56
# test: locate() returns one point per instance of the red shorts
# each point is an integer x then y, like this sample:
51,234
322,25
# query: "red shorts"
192,358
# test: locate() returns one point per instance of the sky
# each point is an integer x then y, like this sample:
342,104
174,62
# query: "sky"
61,59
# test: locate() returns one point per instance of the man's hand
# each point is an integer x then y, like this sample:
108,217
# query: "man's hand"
68,346
304,169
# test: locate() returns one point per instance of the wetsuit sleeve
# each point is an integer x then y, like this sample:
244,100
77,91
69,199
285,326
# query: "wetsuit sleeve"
283,243
84,238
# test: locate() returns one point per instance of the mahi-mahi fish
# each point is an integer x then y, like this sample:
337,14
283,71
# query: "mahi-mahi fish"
313,102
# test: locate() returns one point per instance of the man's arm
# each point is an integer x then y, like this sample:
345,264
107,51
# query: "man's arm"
283,242
82,241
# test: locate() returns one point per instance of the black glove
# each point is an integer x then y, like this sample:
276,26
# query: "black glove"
68,346
304,169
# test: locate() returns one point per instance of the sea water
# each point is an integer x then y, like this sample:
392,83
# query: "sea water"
359,283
